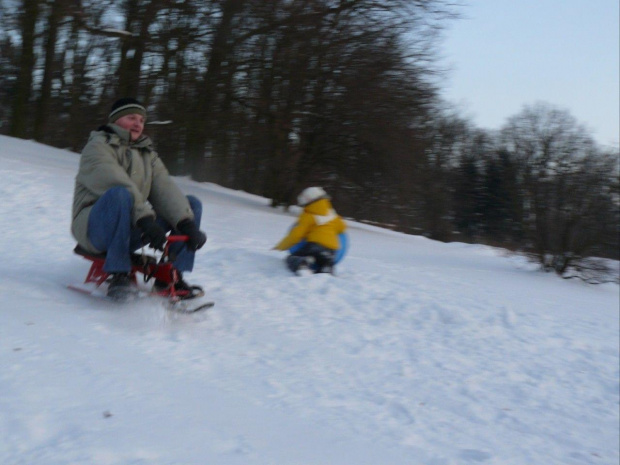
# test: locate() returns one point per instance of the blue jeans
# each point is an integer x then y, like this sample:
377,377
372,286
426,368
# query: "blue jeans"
110,230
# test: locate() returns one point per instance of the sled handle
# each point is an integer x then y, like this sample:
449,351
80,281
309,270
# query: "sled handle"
177,238
166,256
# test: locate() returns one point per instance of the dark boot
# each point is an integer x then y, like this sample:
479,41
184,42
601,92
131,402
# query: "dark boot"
325,261
120,288
300,265
182,288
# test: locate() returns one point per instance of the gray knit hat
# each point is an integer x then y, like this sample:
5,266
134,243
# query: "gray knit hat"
126,106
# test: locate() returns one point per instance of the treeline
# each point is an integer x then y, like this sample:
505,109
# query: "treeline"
272,96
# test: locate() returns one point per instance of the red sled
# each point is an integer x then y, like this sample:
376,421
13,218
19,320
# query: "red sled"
161,270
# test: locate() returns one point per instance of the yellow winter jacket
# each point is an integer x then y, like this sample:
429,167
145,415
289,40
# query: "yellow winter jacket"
318,223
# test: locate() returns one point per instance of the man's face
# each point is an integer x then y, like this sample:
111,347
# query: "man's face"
134,123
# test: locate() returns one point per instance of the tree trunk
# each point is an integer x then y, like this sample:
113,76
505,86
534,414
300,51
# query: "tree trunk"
201,127
23,88
42,112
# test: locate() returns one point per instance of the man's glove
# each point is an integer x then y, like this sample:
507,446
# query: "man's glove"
152,233
196,237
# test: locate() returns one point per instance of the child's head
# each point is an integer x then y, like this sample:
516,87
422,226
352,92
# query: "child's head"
311,194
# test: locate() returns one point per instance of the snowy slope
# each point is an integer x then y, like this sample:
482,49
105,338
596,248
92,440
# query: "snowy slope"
418,352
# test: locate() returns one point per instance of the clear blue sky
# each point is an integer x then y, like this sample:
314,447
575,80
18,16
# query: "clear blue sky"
504,54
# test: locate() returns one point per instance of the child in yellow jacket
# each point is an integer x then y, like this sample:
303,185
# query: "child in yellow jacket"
318,227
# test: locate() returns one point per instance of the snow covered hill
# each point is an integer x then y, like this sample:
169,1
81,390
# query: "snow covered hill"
418,352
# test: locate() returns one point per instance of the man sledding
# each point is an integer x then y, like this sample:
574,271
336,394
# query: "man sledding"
124,199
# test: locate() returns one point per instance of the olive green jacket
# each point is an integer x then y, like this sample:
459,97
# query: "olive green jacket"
110,160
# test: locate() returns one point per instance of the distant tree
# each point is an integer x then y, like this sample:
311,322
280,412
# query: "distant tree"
469,181
22,89
468,197
447,159
9,55
567,182
268,97
502,203
214,88
51,66
138,15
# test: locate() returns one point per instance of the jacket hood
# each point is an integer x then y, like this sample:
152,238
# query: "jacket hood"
320,207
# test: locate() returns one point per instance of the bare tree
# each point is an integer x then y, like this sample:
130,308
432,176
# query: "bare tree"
268,97
28,15
567,184
51,65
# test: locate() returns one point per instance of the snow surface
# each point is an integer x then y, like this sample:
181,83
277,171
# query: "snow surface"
417,352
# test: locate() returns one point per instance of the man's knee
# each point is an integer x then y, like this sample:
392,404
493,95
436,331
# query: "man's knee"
118,195
110,217
195,205
116,201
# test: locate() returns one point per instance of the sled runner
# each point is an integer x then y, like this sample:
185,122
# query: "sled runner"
162,270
